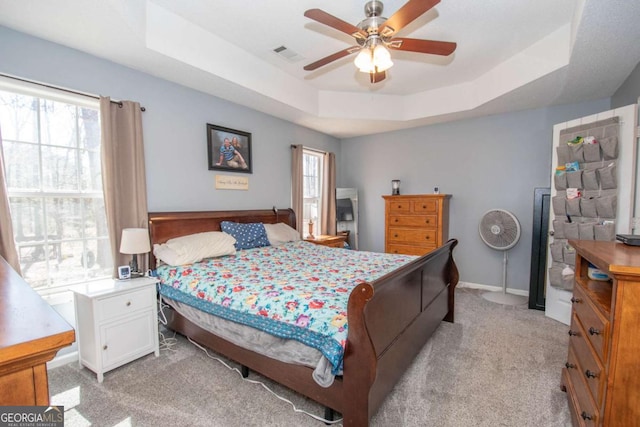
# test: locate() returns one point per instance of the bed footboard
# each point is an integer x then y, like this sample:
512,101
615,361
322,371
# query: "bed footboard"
390,320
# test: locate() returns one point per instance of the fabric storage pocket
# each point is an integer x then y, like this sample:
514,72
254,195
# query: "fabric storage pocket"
557,251
588,207
569,255
605,232
559,205
560,180
558,229
590,179
607,177
606,206
591,152
568,280
585,230
573,207
577,153
555,276
571,230
609,147
574,179
564,154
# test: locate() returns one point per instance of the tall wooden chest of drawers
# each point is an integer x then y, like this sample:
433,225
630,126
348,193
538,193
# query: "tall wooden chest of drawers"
416,224
602,372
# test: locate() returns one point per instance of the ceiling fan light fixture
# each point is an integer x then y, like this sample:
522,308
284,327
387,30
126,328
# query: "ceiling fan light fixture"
370,60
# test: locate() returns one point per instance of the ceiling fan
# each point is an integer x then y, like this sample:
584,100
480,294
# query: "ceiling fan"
376,33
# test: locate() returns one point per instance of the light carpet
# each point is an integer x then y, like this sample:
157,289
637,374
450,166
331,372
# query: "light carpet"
495,366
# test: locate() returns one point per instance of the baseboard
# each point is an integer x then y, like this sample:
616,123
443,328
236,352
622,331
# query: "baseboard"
65,359
492,288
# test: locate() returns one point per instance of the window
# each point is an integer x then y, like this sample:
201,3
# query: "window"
53,172
312,188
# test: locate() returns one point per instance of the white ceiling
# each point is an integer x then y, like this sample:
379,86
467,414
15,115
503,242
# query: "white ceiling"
511,55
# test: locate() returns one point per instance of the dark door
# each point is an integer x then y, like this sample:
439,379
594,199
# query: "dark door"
541,203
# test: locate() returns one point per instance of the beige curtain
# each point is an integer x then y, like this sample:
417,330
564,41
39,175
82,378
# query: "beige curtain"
328,202
7,242
123,174
297,194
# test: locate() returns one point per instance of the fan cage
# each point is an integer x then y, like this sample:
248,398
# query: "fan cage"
499,229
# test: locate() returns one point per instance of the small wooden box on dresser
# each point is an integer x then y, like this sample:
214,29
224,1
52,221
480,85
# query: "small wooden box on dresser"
416,224
602,372
117,322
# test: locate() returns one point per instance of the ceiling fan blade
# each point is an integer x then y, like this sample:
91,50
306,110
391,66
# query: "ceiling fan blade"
405,15
377,77
324,61
337,23
422,46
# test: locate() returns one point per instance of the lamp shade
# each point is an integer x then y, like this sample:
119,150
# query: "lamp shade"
135,241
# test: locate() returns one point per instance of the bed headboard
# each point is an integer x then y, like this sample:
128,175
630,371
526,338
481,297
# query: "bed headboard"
167,225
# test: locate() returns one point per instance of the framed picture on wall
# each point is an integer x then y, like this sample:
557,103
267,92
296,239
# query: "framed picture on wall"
229,149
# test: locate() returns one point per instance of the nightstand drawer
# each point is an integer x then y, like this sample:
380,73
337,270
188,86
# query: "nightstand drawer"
424,221
426,237
122,304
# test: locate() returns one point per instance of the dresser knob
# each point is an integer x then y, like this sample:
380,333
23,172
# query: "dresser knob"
586,416
427,222
424,206
399,206
573,333
590,374
396,220
427,237
593,331
128,303
105,347
575,300
570,365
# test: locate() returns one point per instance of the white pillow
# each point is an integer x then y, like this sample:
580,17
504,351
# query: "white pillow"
281,233
195,247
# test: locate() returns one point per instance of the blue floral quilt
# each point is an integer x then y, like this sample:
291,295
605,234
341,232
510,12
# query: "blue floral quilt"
298,290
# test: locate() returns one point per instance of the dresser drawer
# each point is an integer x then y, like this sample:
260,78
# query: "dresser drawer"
424,221
408,249
125,303
419,236
424,206
595,325
590,367
583,408
401,206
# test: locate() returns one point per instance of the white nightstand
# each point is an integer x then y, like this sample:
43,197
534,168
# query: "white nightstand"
116,322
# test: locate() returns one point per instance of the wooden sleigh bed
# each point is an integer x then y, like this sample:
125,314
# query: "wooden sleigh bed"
389,319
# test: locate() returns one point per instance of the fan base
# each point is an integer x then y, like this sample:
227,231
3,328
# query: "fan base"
504,298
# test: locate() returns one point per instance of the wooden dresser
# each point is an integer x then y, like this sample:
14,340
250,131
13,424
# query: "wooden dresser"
602,372
416,224
31,333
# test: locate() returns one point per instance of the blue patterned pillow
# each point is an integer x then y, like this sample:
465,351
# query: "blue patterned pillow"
252,235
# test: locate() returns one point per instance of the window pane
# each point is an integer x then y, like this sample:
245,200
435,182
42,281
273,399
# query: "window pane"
98,259
22,166
27,217
18,117
90,171
33,263
89,129
59,169
95,221
58,123
64,218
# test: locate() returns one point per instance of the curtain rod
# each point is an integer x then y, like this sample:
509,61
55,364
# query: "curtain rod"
75,92
310,149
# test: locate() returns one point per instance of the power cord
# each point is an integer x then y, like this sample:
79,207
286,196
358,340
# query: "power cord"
295,409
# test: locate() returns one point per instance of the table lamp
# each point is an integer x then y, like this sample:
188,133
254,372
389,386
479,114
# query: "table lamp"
135,241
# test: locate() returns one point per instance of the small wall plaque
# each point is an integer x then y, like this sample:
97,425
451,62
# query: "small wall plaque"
232,182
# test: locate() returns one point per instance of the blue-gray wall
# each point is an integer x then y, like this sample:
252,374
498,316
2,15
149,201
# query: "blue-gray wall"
489,162
629,92
174,127
484,163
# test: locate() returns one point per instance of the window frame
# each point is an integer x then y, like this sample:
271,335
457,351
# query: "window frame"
317,219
